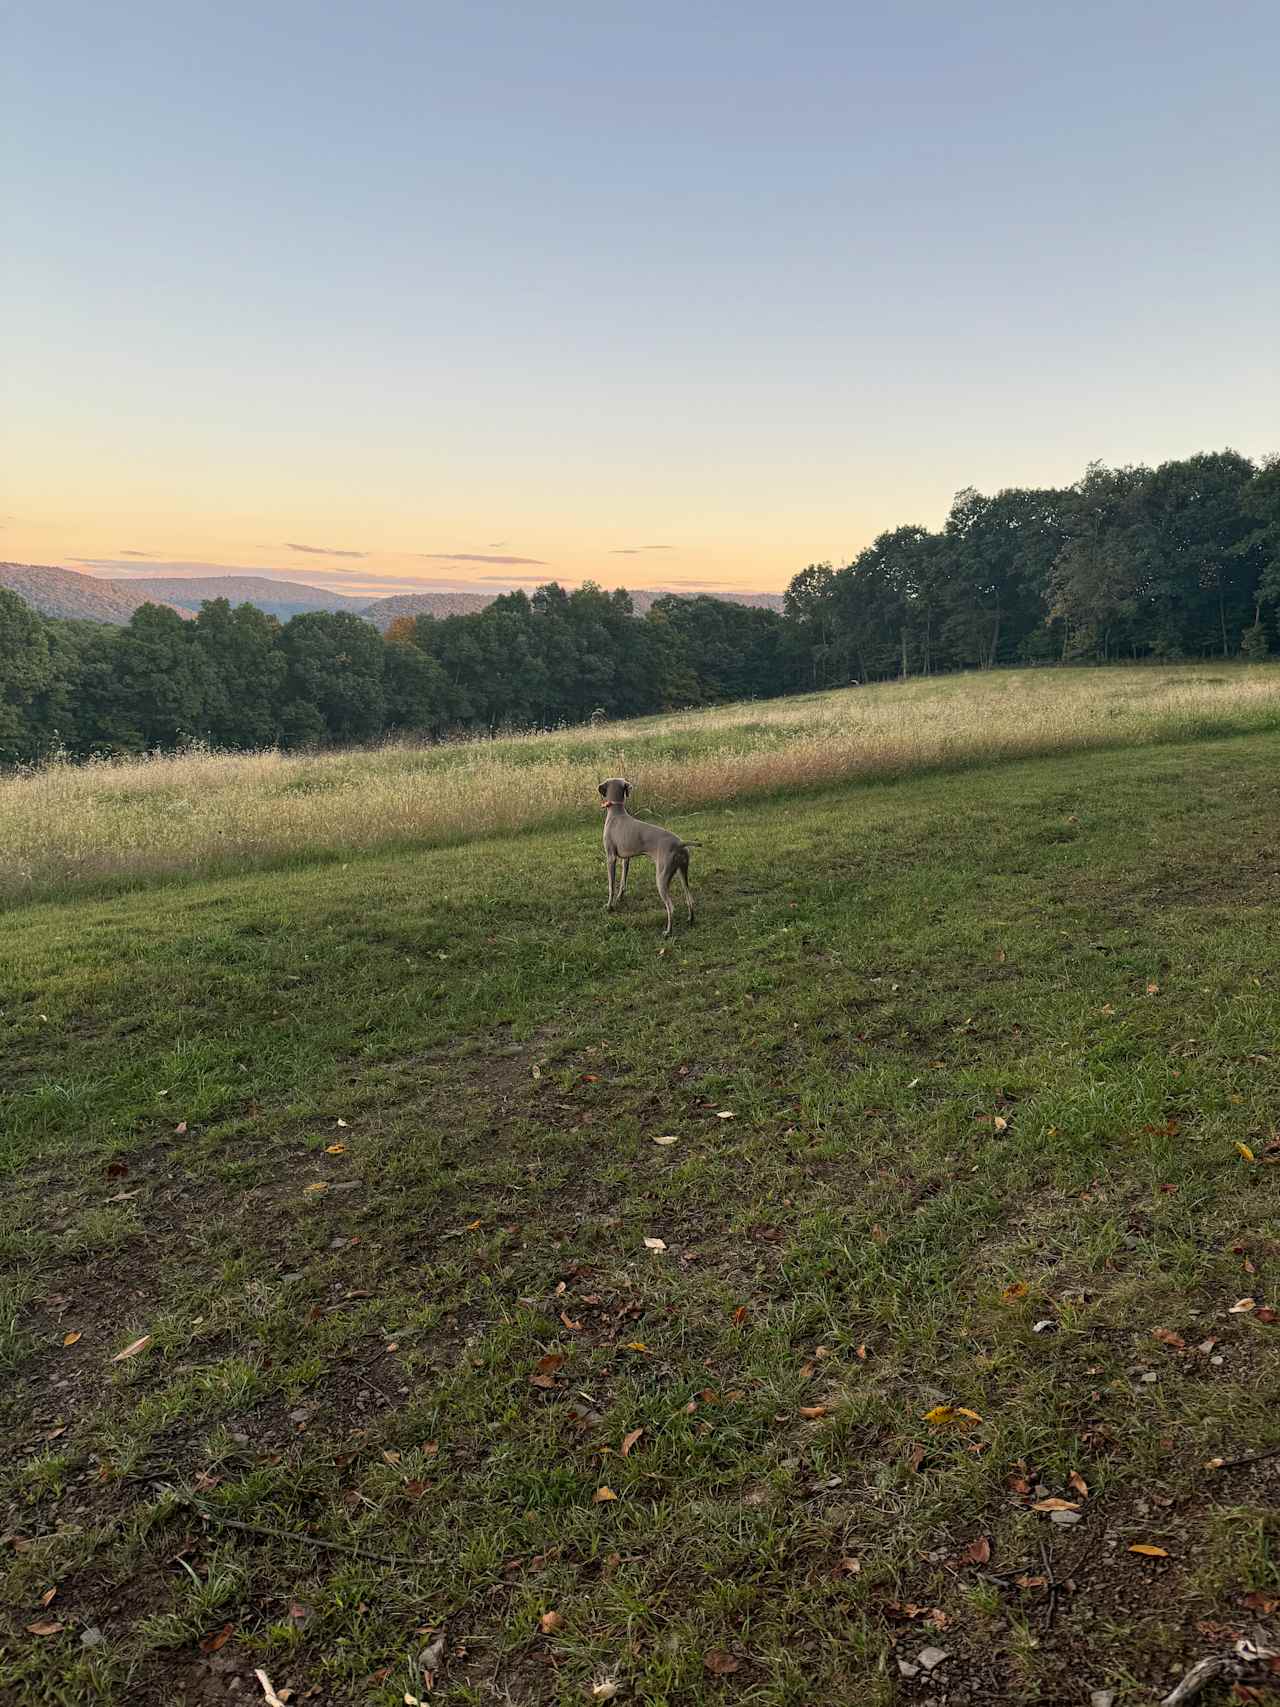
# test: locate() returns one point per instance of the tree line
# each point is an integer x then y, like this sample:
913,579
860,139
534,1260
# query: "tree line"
1179,561
237,678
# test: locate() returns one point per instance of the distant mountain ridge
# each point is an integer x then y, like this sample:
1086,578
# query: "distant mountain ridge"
67,594
72,597
278,598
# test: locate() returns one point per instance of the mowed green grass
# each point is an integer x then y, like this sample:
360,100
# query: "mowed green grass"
365,1150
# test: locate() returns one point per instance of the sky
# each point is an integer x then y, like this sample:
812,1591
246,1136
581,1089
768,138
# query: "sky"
398,294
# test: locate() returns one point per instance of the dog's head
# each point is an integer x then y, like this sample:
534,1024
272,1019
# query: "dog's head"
614,792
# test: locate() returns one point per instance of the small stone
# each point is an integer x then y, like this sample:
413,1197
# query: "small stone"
1149,1378
1045,1326
1217,1362
931,1658
92,1637
906,1669
1065,1518
1102,1697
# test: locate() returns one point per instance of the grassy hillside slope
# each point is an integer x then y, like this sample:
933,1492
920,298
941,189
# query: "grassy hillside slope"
67,828
338,1342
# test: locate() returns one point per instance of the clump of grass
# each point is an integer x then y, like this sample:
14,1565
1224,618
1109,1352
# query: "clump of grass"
66,828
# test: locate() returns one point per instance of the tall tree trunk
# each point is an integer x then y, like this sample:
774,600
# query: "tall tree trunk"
995,639
904,652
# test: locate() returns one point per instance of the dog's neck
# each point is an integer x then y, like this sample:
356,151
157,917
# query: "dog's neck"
615,805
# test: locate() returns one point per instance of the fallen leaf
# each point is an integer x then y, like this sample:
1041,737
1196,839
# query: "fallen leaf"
132,1350
719,1663
725,1114
546,1367
1257,1601
415,1489
1078,1482
1032,1582
48,1595
669,1138
942,1416
574,1327
1242,1306
219,1638
976,1553
605,1690
181,1127
1147,1551
630,1440
318,1185
1265,1315
655,1244
335,1149
1166,1336
602,1496
550,1622
811,1412
50,1628
861,1354
391,1457
1153,989
1015,1290
848,1567
1055,1504
1245,1151
740,1314
71,1338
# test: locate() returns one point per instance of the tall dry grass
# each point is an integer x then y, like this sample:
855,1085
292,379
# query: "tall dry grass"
68,827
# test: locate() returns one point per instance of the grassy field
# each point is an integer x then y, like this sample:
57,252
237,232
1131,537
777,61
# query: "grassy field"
337,1338
65,829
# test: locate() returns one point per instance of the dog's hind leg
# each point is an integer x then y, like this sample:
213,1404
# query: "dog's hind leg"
665,868
683,869
622,887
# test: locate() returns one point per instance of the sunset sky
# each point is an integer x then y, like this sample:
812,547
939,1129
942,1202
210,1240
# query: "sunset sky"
666,295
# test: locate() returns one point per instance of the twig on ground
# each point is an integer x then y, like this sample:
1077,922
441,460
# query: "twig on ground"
1249,1458
299,1535
1052,1603
1245,1656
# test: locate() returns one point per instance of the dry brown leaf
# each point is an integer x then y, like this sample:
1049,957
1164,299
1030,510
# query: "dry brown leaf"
976,1553
605,1690
1055,1504
1166,1336
550,1622
812,1412
574,1327
655,1244
1242,1306
630,1440
1078,1482
49,1628
132,1350
719,1663
1147,1551
861,1354
1257,1601
71,1338
210,1644
848,1567
48,1595
1245,1151
317,1185
602,1496
1015,1290
1032,1582
1266,1315
181,1127
335,1149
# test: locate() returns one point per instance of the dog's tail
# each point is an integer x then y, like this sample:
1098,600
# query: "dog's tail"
685,844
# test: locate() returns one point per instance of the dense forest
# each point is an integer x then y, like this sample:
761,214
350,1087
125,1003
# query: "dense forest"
1180,561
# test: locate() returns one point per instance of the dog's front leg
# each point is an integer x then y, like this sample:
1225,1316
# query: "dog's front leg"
612,863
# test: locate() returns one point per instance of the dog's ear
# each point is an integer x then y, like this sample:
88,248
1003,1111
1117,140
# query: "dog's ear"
602,794
626,788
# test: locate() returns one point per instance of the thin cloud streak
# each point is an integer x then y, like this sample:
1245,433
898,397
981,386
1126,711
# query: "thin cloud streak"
474,557
322,550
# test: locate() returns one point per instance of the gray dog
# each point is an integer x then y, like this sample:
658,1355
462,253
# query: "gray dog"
625,838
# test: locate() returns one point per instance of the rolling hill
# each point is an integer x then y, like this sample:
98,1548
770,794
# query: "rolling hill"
66,594
278,598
